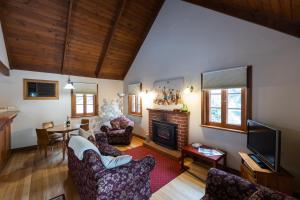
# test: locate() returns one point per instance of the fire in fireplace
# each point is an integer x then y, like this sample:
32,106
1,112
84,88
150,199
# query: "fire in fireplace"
165,134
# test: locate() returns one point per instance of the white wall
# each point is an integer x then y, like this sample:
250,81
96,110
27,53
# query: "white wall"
187,40
34,112
3,53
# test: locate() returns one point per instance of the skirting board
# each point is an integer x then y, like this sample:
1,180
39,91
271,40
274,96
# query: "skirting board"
139,136
33,147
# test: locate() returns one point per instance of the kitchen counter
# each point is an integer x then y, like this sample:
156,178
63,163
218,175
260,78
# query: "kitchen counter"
7,117
5,135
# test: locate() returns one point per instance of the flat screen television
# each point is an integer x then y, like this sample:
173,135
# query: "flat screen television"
264,142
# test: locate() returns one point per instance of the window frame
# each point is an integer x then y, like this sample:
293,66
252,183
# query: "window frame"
38,81
246,108
139,114
84,114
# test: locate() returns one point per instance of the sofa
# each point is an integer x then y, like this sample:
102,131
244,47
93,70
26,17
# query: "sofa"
95,182
120,131
221,185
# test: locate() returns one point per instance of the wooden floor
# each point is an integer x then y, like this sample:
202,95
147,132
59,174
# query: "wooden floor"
28,175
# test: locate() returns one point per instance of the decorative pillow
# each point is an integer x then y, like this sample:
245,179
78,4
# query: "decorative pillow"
123,122
111,162
115,124
267,194
87,135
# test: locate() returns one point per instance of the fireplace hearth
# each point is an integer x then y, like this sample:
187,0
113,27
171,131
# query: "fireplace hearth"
164,134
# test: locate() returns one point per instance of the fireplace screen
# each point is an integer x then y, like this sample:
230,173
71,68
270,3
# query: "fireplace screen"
165,134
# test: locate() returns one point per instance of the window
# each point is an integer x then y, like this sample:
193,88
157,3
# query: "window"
84,105
225,108
135,105
229,107
40,89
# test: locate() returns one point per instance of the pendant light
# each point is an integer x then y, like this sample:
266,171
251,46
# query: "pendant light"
69,85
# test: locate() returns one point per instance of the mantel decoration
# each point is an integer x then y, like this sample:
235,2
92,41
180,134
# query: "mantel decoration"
168,92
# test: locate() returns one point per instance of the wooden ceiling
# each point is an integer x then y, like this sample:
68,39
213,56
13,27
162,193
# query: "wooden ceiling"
93,38
281,15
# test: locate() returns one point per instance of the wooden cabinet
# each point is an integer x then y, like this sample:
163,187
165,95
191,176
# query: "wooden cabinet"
4,143
5,136
281,181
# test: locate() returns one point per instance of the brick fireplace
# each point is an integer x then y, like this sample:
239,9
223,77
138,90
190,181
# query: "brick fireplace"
181,119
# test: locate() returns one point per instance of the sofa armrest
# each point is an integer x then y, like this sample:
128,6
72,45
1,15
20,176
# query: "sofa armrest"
128,130
221,185
104,128
130,173
101,137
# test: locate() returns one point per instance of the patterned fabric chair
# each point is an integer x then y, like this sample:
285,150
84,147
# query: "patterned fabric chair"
221,185
103,146
121,131
95,182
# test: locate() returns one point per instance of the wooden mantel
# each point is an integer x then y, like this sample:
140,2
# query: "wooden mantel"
168,111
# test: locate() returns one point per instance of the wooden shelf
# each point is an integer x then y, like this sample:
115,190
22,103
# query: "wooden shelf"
252,164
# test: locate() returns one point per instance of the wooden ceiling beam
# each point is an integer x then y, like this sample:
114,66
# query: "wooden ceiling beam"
66,45
110,37
256,16
3,69
3,25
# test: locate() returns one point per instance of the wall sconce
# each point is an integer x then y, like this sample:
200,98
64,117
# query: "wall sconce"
188,90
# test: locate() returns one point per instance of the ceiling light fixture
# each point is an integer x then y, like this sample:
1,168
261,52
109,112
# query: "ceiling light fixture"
69,85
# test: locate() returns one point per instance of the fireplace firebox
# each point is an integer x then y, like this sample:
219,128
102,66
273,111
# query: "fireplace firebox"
164,134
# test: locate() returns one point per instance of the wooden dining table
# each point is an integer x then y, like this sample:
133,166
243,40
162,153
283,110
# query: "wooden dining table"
65,130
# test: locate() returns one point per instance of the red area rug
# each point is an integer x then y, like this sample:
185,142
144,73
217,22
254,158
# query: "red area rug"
165,168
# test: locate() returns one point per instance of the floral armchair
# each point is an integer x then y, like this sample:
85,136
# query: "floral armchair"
120,131
95,182
221,185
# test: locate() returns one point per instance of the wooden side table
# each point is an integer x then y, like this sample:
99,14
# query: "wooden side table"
190,150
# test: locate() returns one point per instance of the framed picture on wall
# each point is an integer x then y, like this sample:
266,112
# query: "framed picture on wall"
169,91
40,89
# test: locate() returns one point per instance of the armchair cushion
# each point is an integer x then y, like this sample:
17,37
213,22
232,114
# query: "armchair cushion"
221,185
86,134
126,178
266,194
115,124
117,132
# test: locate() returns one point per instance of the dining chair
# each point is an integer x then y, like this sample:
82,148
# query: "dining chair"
85,124
50,124
43,140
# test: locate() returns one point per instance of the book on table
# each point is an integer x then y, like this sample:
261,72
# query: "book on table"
209,152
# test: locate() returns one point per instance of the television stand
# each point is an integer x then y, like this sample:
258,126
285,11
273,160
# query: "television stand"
251,171
259,162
